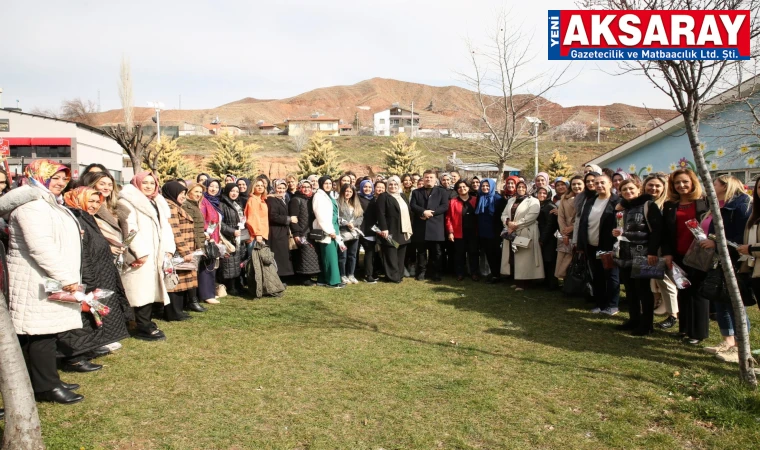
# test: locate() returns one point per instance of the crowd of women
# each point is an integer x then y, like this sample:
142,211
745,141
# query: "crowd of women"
166,248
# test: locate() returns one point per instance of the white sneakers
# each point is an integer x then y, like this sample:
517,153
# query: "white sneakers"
212,301
720,348
353,280
112,347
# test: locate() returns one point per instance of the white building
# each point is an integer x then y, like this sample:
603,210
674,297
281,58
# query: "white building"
394,121
73,144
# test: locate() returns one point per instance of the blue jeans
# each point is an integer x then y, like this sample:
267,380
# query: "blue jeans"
347,259
725,315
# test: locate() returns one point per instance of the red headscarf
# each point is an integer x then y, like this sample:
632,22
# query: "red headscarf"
138,179
514,178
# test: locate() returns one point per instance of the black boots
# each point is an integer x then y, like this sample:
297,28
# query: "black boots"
194,306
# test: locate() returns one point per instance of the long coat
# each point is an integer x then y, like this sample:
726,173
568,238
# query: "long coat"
184,239
389,218
232,214
199,228
547,226
98,271
44,242
257,217
305,259
279,230
529,265
431,229
154,239
323,216
565,218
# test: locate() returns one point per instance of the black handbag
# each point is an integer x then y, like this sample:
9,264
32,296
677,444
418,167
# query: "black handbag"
578,278
212,251
714,287
317,235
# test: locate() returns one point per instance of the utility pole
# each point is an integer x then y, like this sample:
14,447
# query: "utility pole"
412,133
180,101
598,124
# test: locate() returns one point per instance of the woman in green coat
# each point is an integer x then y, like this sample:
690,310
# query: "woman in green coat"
326,220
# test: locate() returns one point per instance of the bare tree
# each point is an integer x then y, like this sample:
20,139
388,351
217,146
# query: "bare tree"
571,129
75,110
22,422
299,141
505,92
689,84
129,136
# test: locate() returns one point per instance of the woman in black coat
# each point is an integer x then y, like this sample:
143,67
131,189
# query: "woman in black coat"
98,272
394,220
232,225
279,227
547,226
369,205
305,258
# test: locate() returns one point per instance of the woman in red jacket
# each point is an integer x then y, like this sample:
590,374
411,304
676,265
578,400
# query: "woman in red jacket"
461,228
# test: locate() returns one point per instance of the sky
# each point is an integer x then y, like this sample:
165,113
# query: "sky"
215,52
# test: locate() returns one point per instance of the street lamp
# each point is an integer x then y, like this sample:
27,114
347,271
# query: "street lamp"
536,122
158,106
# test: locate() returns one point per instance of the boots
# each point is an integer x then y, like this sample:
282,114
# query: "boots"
194,305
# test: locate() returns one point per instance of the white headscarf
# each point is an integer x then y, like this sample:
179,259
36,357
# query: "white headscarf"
406,221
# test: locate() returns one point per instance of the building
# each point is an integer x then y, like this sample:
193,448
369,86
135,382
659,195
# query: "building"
728,134
73,144
487,170
347,129
321,124
219,128
395,120
268,128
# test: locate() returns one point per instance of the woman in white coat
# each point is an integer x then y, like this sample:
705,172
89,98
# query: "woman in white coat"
45,241
520,217
142,209
326,220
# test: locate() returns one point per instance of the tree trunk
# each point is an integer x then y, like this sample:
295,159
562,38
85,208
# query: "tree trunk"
22,424
746,363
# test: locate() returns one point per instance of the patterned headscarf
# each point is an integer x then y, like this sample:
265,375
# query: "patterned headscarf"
302,184
138,179
42,170
78,198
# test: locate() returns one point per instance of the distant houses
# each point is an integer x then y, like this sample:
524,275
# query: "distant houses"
329,126
395,120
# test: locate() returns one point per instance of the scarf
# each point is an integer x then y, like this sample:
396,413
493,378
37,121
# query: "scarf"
213,199
321,182
198,178
486,204
138,179
406,221
361,193
543,175
229,175
78,198
594,168
243,197
519,198
580,199
40,171
622,174
171,191
301,185
508,193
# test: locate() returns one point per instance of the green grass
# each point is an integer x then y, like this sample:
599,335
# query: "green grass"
416,365
360,151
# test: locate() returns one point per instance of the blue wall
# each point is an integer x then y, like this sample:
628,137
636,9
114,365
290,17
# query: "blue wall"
727,140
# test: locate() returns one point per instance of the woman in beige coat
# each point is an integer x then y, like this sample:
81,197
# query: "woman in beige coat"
521,218
566,219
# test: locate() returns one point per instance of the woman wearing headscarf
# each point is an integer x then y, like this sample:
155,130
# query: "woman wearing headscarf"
44,242
368,241
229,179
98,272
394,220
145,211
211,210
510,185
233,222
520,217
589,190
547,226
305,259
592,168
244,186
182,225
326,220
192,207
462,230
488,213
201,178
279,228
618,178
542,181
566,222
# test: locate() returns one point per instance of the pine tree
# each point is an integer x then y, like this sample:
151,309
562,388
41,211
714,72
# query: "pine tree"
166,161
402,156
232,156
319,157
557,166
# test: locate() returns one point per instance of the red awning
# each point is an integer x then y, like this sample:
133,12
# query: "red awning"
51,142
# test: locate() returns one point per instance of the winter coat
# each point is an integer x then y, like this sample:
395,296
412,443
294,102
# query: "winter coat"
607,223
305,259
323,215
454,219
565,218
431,229
754,252
370,215
547,226
643,234
154,239
210,214
669,209
109,226
279,232
257,217
232,214
735,214
389,218
529,264
262,274
199,227
44,242
489,225
98,271
184,239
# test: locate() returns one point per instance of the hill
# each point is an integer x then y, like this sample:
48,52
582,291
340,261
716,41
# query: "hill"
436,105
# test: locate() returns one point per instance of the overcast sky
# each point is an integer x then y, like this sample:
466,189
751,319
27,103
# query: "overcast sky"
215,52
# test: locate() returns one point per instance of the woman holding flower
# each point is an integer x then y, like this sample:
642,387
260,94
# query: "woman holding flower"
211,210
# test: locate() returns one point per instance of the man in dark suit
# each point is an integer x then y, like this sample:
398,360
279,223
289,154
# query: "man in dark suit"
428,206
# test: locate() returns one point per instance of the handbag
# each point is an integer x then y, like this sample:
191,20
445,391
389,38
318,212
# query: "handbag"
521,242
578,278
561,247
608,261
292,245
317,235
229,246
699,258
642,270
212,251
714,287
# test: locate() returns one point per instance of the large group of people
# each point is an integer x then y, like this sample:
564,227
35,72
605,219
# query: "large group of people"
165,248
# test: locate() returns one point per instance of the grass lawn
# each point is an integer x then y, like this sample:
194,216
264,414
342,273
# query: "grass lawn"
416,365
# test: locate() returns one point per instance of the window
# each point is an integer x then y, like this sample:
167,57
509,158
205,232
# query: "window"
382,121
53,152
394,121
18,151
